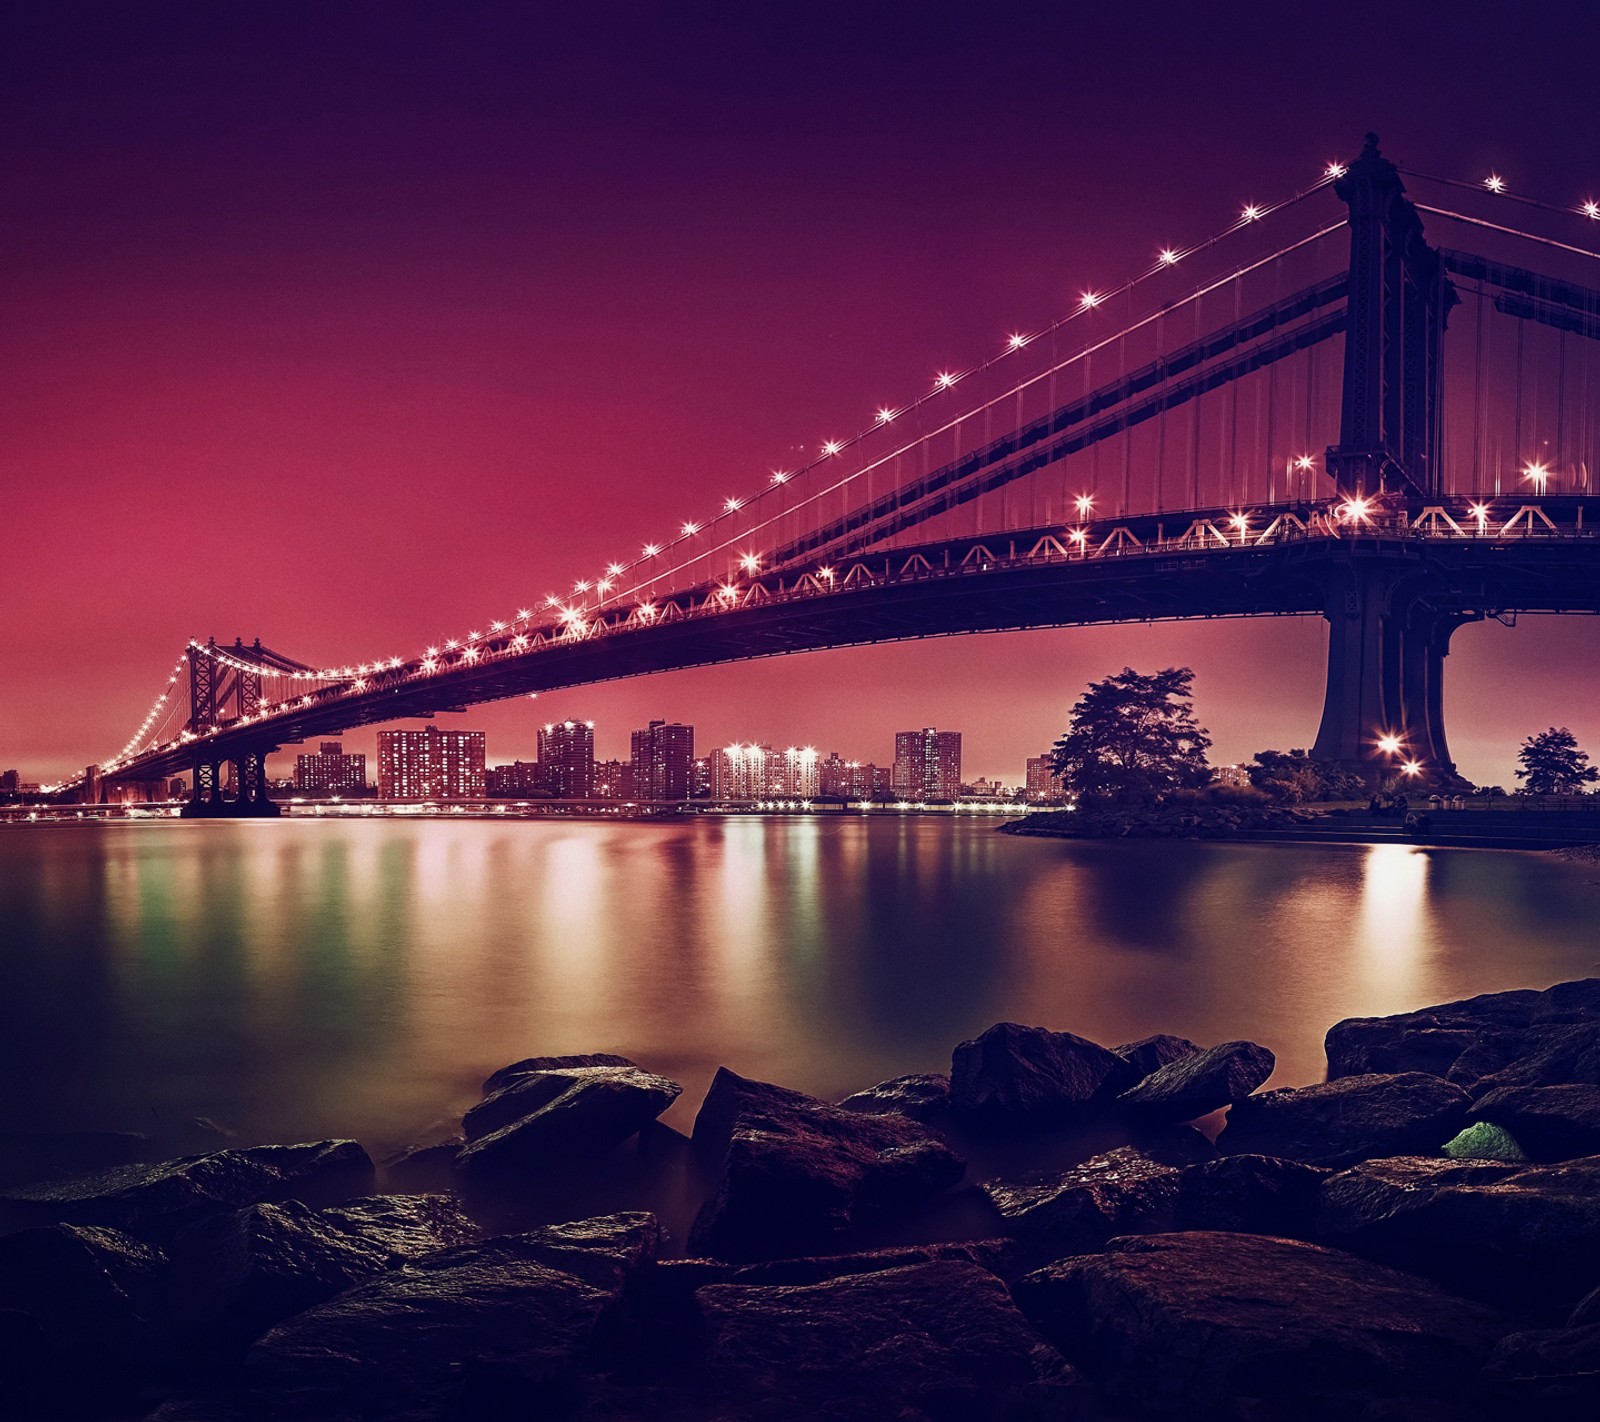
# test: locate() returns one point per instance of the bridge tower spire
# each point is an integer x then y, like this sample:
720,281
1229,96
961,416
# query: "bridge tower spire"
1399,299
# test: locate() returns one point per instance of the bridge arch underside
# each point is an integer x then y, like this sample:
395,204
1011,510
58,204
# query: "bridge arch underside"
1391,607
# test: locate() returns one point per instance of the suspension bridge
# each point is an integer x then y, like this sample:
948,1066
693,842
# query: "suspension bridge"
1351,418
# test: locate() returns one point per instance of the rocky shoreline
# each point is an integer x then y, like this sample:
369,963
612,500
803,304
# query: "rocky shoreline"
1056,1229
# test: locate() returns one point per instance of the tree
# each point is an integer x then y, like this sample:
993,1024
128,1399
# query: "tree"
1293,777
1133,735
1550,763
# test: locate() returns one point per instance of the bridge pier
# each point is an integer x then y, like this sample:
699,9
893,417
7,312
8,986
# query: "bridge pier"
250,801
1386,648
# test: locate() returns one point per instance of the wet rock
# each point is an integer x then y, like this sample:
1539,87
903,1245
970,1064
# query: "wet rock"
1188,1322
529,1065
1587,1310
1354,1118
547,1115
1014,1075
797,1172
29,1156
998,1256
1549,1122
156,1199
1429,1040
504,1324
923,1096
1077,1210
240,1273
932,1340
95,1299
1549,1372
1201,1082
1150,1054
1483,1141
423,1168
1550,1056
1250,1194
1523,1236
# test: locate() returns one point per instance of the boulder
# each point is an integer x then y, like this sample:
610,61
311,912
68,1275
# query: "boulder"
528,1065
546,1116
1549,1122
423,1168
1201,1082
1587,1310
1483,1141
1524,1236
1189,1322
1549,1373
1353,1118
240,1273
1549,1056
796,1172
95,1300
1017,1076
923,1096
996,1255
502,1327
1150,1054
154,1200
28,1156
1121,1192
1250,1194
931,1340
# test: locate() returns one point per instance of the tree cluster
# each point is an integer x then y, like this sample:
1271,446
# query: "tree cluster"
1550,763
1133,736
1292,778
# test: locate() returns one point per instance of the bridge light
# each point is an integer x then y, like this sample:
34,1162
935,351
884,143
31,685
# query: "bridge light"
1412,767
831,446
1335,170
1018,341
944,380
1085,503
1389,744
1089,300
614,570
750,562
1538,474
1495,183
826,574
731,504
885,415
1251,213
603,586
1078,535
1481,513
581,586
690,529
497,626
1355,510
1169,257
1304,463
1591,208
779,477
647,610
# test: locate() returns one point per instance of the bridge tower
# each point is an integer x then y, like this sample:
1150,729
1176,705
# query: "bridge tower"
1386,642
213,685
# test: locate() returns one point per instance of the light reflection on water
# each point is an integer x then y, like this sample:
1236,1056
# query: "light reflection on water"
337,977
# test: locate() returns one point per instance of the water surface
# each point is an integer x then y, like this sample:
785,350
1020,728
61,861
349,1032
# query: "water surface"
338,977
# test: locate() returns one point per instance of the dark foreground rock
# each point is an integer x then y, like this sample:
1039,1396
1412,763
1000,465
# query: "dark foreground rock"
1013,1075
503,1328
796,1172
29,1156
1549,1373
932,1340
922,1096
1251,1194
1190,1322
1355,1118
155,1200
1527,1237
1544,1056
538,1118
1548,1122
1074,1211
1152,1053
1198,1083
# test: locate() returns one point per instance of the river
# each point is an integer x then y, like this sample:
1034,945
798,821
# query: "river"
304,978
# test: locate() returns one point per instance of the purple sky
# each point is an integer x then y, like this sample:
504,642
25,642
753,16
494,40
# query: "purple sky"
351,325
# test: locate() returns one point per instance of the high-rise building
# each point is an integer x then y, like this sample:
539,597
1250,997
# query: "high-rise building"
799,773
330,772
613,780
517,781
841,779
700,782
566,758
1042,782
927,764
663,761
742,772
431,765
10,782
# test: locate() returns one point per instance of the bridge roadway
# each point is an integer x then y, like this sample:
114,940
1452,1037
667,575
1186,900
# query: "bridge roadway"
1523,556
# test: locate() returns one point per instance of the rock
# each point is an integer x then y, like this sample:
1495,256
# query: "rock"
1482,1141
1150,1054
1551,1056
923,1096
1077,1210
95,1299
1014,1075
29,1156
1549,1372
544,1116
1524,1236
240,1273
505,1324
1354,1118
157,1199
796,1172
1549,1122
423,1168
932,1340
1188,1322
528,1065
1587,1310
1201,1082
996,1255
1251,1194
